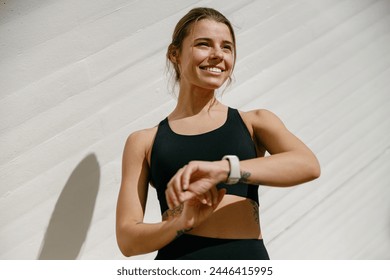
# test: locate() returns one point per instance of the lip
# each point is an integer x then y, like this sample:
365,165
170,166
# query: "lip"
205,68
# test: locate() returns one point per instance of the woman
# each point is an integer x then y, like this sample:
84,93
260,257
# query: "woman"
205,159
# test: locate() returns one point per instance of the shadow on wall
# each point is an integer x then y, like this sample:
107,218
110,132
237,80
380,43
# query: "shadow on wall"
72,215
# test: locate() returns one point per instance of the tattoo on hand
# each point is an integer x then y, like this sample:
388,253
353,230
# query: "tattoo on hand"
244,177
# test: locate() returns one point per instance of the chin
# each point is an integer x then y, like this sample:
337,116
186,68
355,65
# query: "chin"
213,86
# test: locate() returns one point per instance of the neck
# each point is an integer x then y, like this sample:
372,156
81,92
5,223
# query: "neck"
193,102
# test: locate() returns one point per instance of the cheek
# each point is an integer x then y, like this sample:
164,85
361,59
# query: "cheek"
199,56
230,61
192,59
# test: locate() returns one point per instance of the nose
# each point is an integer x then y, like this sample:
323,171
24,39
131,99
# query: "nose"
217,54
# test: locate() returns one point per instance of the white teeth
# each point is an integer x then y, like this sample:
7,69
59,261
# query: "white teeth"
213,69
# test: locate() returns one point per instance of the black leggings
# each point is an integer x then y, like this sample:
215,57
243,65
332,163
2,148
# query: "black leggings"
192,247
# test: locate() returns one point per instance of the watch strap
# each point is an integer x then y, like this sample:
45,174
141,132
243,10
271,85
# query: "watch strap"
235,173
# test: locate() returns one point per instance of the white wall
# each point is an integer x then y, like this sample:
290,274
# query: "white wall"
77,77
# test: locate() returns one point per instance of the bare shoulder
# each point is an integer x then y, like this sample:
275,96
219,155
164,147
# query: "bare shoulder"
260,119
141,141
142,136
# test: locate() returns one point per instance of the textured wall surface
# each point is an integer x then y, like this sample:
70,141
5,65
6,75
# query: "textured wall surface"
78,76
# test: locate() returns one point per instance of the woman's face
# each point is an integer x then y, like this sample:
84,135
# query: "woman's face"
207,56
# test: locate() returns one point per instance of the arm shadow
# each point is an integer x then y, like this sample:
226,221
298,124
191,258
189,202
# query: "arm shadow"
72,215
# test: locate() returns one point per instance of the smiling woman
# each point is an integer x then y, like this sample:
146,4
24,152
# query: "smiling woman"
206,58
206,160
185,26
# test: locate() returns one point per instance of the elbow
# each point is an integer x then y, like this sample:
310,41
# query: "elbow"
125,252
308,169
128,248
315,173
128,254
125,248
314,170
125,243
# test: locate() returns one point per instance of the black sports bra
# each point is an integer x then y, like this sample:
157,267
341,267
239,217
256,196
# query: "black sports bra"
171,151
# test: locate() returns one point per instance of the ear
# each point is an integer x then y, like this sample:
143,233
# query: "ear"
173,54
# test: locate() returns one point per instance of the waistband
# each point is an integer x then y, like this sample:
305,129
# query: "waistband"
193,247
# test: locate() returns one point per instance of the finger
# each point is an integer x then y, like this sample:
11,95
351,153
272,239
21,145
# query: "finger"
170,198
188,170
200,186
214,195
177,184
201,198
221,194
171,194
169,202
187,195
174,188
207,198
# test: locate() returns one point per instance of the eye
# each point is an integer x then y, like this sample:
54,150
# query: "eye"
203,44
228,47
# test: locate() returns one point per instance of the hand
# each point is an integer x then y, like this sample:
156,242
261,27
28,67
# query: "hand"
195,212
196,180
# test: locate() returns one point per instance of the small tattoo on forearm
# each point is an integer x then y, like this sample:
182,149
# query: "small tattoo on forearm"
173,212
182,231
255,208
244,177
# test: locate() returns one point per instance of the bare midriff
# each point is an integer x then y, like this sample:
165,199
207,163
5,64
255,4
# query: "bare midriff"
234,218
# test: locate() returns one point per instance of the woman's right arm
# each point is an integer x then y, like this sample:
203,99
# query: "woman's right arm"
135,237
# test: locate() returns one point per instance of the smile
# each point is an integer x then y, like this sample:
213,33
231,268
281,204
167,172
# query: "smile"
212,69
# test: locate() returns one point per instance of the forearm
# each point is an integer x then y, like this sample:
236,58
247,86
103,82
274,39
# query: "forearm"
283,170
142,238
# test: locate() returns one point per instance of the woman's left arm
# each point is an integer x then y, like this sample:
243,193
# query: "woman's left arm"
290,162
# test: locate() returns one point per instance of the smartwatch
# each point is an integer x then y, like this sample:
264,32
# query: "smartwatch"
234,174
